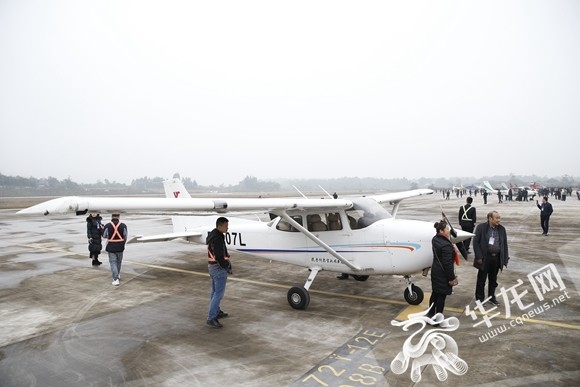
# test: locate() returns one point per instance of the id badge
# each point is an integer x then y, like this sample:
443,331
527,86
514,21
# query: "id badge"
491,239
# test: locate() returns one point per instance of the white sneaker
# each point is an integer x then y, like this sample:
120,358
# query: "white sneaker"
116,282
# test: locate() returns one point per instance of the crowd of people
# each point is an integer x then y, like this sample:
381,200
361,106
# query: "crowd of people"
489,244
512,194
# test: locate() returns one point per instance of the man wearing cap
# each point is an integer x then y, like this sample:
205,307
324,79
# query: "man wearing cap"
116,234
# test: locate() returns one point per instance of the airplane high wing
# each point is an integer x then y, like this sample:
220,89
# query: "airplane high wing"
354,235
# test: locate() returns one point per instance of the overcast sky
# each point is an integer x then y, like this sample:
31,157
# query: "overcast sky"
221,90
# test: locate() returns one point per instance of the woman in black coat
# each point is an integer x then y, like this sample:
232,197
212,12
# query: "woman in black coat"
94,232
442,272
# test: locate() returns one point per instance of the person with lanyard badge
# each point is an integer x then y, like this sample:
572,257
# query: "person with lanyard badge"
491,255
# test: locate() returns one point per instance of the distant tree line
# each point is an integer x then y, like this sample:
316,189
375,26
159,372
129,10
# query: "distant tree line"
50,186
31,186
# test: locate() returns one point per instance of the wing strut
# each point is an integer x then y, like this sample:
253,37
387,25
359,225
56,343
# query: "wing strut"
395,208
320,243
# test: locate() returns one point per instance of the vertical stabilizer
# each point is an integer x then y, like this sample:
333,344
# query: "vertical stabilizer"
174,188
488,186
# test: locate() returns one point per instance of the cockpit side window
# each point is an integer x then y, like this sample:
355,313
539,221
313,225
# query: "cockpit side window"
316,222
353,217
333,221
285,226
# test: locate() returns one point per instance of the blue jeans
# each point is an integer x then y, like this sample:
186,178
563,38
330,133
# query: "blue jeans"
115,260
219,277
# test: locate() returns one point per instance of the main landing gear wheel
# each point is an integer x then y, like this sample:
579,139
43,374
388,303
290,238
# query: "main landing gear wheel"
415,297
360,277
298,297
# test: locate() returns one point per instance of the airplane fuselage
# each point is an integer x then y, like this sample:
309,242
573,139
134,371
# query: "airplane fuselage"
384,247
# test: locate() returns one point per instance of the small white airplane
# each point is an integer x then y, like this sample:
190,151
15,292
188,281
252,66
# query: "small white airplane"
505,190
357,236
493,191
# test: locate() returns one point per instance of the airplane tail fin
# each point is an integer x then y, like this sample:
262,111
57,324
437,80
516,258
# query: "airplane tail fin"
488,186
174,188
184,227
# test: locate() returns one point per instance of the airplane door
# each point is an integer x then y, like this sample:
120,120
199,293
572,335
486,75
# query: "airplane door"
328,227
293,243
385,261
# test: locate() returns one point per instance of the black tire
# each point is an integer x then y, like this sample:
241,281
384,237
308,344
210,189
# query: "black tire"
298,297
415,297
360,277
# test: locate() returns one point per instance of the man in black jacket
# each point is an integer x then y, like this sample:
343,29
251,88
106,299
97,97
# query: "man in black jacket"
219,267
491,255
545,212
467,219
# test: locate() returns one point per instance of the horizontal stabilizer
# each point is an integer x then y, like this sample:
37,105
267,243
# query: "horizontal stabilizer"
164,237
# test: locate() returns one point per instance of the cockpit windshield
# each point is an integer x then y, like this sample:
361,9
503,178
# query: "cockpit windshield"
365,212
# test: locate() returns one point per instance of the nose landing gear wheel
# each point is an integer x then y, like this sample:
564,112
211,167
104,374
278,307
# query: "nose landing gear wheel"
298,297
415,297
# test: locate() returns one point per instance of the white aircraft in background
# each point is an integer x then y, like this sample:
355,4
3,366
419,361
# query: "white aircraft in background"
493,191
357,236
505,190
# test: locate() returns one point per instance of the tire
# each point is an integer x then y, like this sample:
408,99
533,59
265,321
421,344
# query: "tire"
360,277
298,297
415,297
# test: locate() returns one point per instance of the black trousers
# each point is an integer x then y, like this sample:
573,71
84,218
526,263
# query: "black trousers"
469,227
545,222
437,301
488,272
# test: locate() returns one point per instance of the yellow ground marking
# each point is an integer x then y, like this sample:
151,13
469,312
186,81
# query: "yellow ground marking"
270,284
404,315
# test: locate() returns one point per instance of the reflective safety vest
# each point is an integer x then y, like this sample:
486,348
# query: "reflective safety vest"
116,242
211,257
116,235
464,216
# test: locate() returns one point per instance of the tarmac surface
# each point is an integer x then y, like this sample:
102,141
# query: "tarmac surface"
64,324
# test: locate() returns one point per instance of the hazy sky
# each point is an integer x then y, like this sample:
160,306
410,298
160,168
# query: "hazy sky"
221,90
